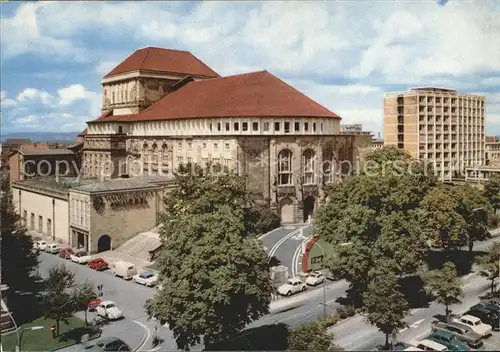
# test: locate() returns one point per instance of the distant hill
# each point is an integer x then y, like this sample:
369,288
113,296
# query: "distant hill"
43,136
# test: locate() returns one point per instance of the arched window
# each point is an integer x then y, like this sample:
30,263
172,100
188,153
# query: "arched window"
285,167
145,151
329,165
155,153
164,154
308,166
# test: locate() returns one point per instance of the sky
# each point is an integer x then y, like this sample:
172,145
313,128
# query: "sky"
343,54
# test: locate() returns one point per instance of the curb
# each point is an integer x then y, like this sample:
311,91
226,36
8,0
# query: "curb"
345,320
145,338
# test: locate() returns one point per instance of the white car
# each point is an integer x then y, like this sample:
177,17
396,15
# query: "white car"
315,278
292,286
80,257
146,278
41,245
53,248
109,310
475,324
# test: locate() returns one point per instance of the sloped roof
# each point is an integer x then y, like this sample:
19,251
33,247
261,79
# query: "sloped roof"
163,60
257,94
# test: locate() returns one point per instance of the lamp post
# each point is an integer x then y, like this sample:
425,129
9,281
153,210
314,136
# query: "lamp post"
31,328
324,282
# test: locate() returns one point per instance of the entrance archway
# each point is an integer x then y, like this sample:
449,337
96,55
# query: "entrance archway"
286,210
104,243
308,207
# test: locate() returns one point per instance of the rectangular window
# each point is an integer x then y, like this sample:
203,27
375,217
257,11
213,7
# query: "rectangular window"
120,129
49,227
277,126
306,126
180,159
40,224
204,161
297,126
255,126
245,126
179,145
314,126
216,161
236,126
321,126
32,221
287,127
266,126
204,145
218,126
226,146
210,126
227,162
190,160
228,126
190,145
216,146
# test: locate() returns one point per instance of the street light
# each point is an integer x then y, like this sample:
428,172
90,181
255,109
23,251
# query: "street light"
31,328
324,282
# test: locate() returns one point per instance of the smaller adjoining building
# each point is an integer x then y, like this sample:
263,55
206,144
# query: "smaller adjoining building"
377,144
493,151
6,322
34,161
92,214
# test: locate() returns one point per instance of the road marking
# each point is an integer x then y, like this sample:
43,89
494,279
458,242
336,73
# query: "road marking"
355,348
403,329
417,323
280,242
272,231
148,334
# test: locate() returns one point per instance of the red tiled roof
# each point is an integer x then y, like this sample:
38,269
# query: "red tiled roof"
257,94
491,139
163,60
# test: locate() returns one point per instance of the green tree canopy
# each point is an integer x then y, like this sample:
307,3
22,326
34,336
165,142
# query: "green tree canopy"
311,337
375,213
384,304
490,264
492,192
215,278
445,285
82,295
58,299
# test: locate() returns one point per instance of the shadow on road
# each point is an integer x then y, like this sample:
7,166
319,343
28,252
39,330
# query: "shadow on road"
461,258
267,337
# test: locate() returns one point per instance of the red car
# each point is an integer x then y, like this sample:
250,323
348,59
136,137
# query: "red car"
98,264
66,252
92,305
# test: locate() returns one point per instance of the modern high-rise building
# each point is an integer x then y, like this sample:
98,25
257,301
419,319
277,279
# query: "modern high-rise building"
439,125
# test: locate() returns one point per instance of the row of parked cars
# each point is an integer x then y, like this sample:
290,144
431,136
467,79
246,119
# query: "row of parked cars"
460,332
119,268
296,285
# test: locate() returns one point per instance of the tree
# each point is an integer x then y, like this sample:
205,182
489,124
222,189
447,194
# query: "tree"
208,290
311,337
58,299
261,219
445,285
19,261
375,212
490,264
82,294
476,211
491,192
384,304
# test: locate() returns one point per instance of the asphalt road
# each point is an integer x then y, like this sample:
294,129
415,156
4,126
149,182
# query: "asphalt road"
129,297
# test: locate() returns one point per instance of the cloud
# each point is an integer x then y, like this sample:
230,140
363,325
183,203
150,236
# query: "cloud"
104,67
6,102
70,94
32,93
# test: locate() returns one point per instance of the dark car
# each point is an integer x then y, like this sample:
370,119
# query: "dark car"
109,344
486,316
491,307
493,301
461,331
449,340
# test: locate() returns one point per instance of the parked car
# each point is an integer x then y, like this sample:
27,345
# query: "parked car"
80,257
491,307
146,278
98,264
475,324
461,331
449,340
66,252
93,303
53,248
123,269
109,310
493,301
315,278
109,344
41,245
402,346
292,286
487,316
429,345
